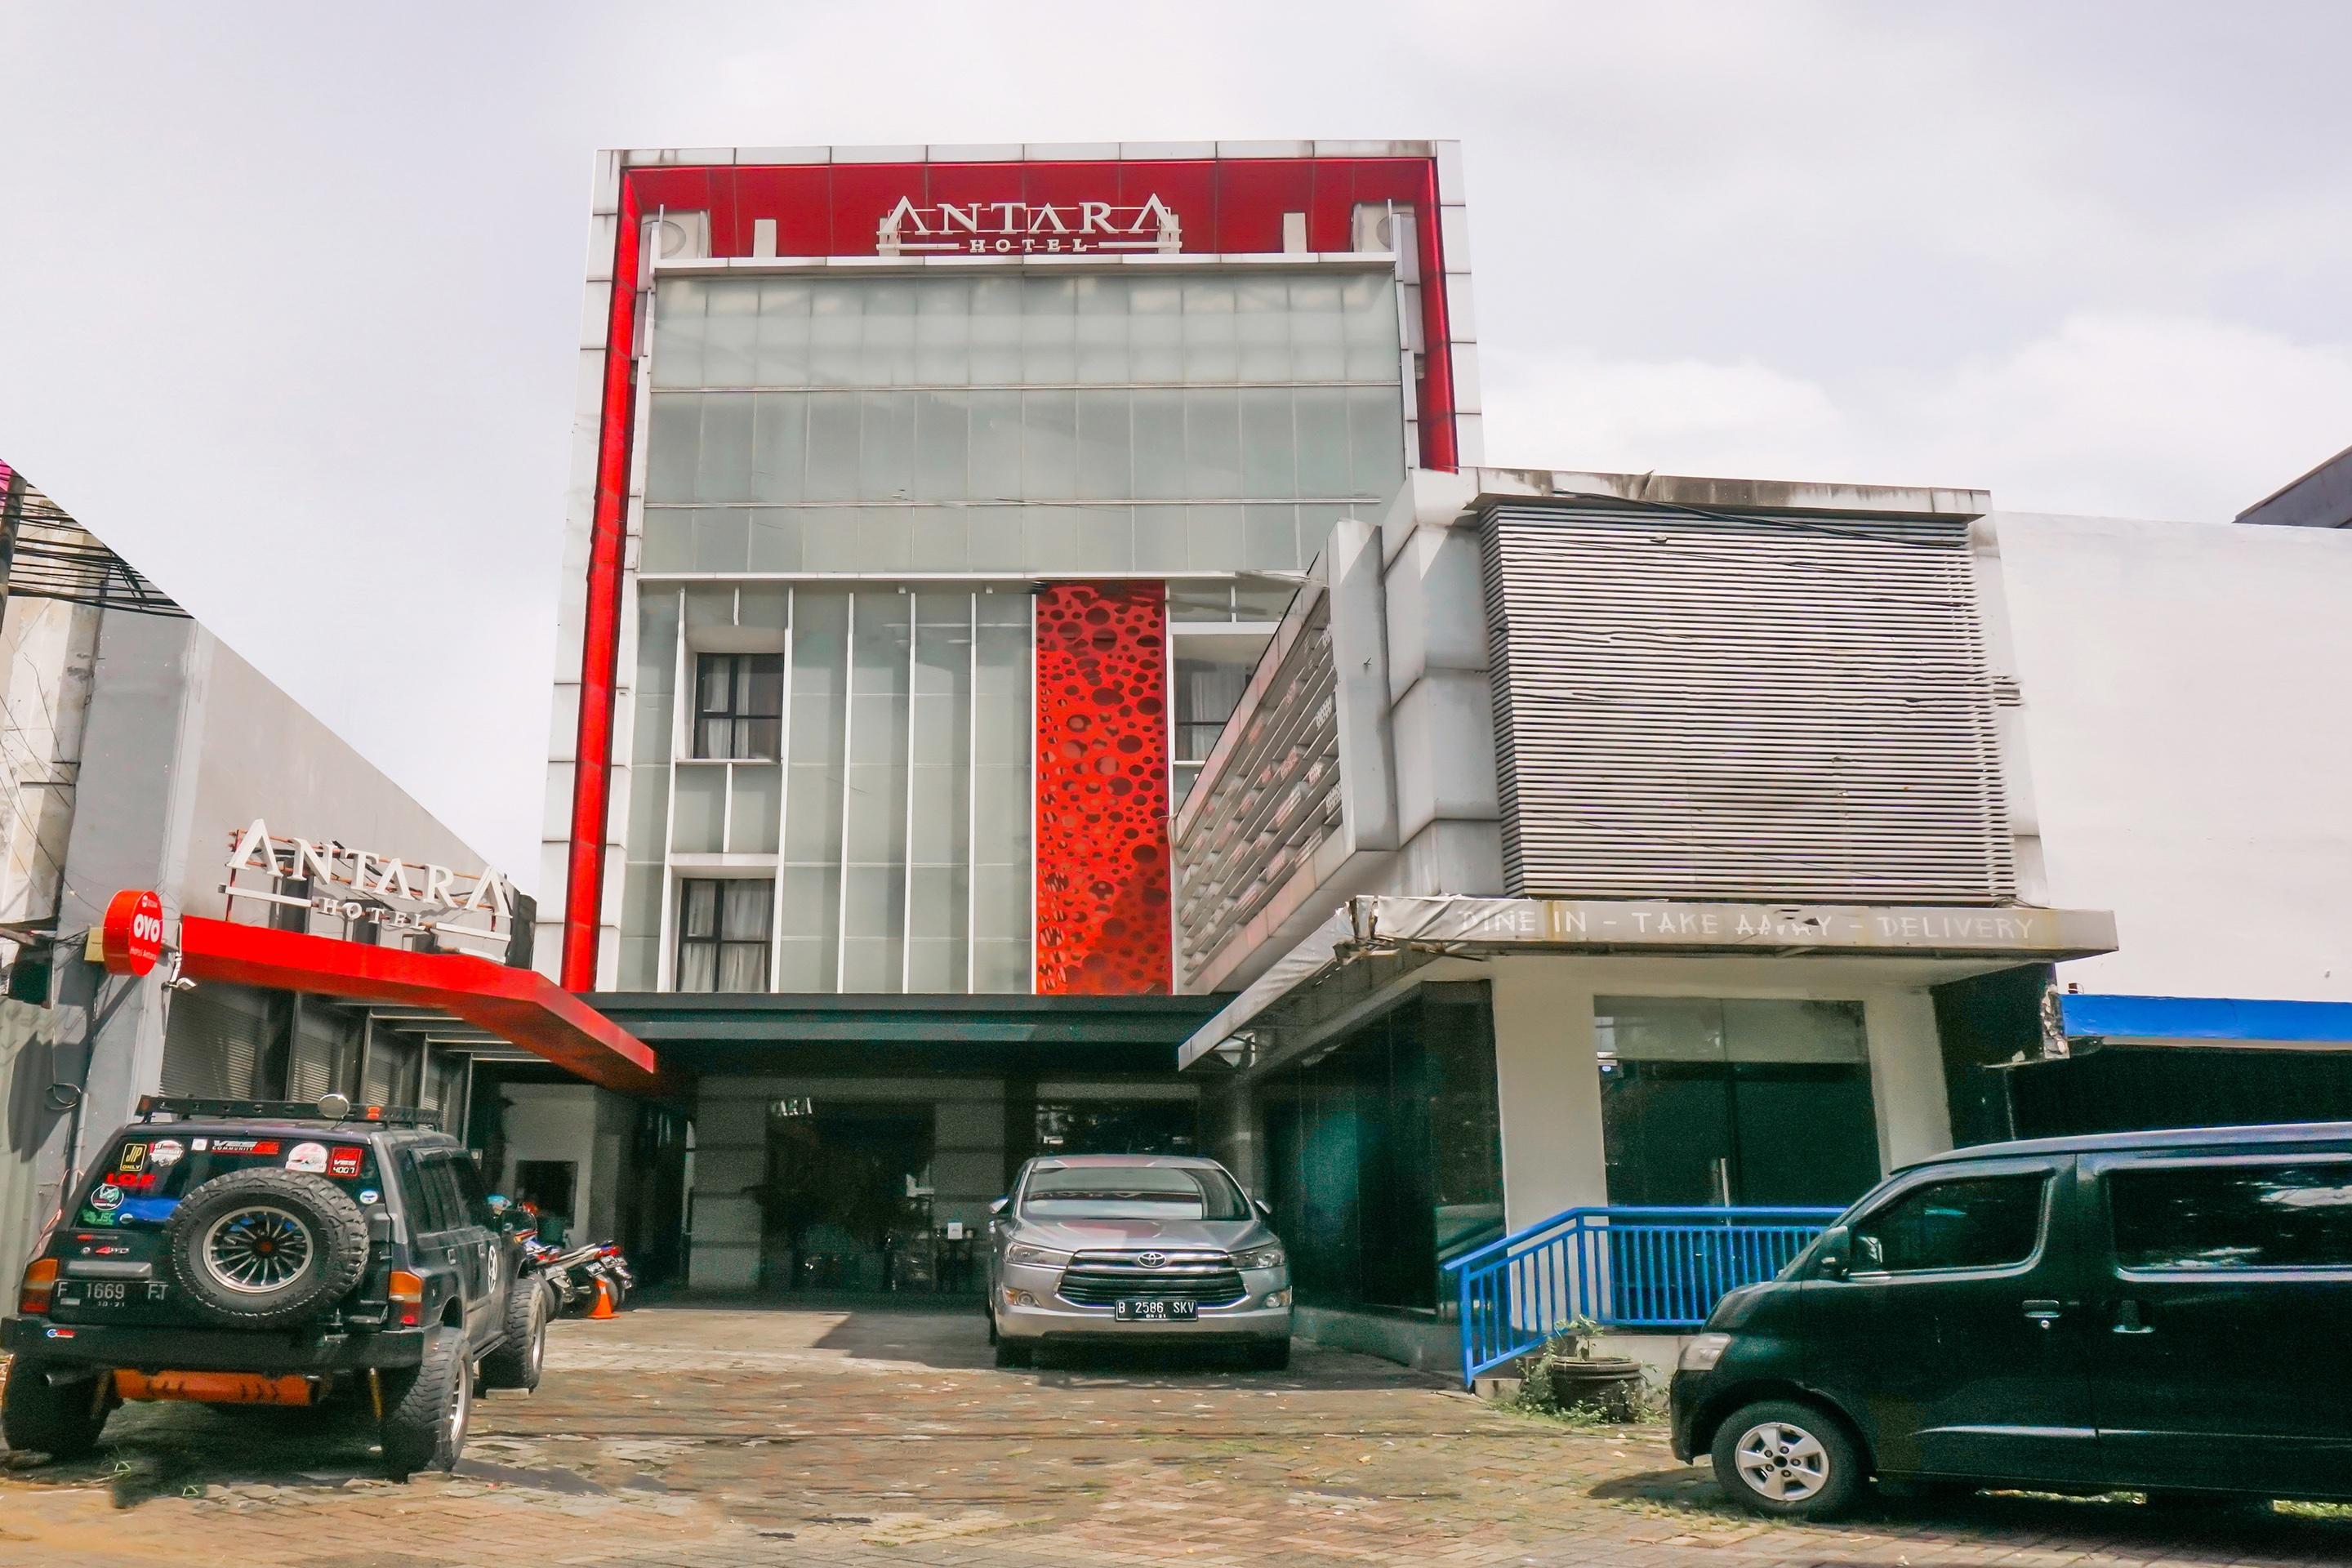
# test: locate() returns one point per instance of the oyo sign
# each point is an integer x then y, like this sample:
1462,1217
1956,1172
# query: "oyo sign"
1027,228
131,939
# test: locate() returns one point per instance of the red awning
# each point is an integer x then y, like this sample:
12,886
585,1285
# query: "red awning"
518,1004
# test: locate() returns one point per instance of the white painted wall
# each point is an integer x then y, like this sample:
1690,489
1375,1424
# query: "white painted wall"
2191,738
558,1121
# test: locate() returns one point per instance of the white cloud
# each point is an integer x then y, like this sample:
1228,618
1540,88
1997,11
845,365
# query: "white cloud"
2128,414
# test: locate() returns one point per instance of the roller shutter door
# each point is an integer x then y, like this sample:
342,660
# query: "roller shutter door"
1753,709
212,1042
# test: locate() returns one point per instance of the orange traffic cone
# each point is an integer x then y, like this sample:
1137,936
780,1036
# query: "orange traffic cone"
604,1307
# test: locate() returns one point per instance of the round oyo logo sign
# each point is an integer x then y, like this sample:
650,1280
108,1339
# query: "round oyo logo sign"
132,936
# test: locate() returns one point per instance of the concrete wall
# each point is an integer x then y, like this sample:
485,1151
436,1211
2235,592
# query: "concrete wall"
2184,687
563,1121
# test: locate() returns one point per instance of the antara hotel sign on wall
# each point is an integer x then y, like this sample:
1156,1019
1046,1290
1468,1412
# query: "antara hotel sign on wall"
1027,228
359,885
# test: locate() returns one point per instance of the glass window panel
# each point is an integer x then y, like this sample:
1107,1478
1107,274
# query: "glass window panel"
1049,330
649,741
1155,330
938,539
1001,967
934,967
1159,539
1321,435
938,910
746,909
887,446
995,539
812,899
1212,442
729,327
698,910
834,329
1982,1222
1215,533
723,539
994,472
743,965
1375,441
805,965
1314,529
870,965
1049,433
775,540
943,446
657,613
1777,1031
675,439
696,819
1158,445
875,903
755,818
724,470
1102,330
677,333
697,966
2244,1215
1270,538
1262,325
1318,339
887,345
1211,336
820,675
942,332
667,544
648,811
780,355
708,607
996,336
1269,448
1104,539
1106,447
832,447
779,446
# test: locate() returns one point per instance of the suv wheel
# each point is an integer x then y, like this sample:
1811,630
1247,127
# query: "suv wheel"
60,1420
516,1362
263,1247
1786,1459
426,1411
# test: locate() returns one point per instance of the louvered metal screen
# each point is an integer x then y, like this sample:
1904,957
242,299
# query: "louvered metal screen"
1763,709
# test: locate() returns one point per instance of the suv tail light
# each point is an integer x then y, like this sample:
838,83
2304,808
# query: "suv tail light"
40,1281
407,1293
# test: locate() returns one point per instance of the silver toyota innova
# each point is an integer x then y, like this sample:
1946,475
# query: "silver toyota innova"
1134,1248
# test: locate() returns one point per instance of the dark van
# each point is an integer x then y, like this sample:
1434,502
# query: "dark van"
2168,1312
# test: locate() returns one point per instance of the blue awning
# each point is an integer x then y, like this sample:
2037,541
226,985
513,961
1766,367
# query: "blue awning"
2215,1021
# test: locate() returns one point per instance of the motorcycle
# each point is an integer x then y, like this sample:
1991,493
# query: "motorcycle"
573,1273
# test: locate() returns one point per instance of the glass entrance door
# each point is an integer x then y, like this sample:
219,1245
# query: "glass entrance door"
1734,1101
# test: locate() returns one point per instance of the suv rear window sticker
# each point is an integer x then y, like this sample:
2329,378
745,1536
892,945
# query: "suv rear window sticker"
165,1152
106,1198
345,1161
132,1158
242,1145
310,1159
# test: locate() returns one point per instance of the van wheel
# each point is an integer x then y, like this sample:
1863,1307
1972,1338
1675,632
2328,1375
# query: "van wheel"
1788,1461
60,1420
426,1411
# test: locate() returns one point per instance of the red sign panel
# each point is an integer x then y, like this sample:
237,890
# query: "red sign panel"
133,936
1102,790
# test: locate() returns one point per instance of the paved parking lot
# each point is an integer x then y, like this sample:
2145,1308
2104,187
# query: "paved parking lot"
702,1435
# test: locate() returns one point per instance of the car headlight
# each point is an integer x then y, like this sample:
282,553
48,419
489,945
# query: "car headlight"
1260,1258
1035,1256
1703,1352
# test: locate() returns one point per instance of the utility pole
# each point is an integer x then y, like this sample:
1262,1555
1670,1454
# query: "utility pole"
12,513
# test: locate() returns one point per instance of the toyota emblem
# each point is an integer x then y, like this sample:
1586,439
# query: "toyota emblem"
1151,1259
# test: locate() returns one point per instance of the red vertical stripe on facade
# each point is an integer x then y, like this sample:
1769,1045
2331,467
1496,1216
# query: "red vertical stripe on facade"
600,643
1102,790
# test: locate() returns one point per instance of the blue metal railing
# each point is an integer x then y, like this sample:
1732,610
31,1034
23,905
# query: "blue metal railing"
1623,1268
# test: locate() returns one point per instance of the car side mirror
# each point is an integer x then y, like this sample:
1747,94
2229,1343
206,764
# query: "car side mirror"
998,1205
1265,1209
1836,1251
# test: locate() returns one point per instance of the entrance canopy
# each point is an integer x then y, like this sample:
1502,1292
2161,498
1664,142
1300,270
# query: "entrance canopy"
1424,928
517,1005
2208,1022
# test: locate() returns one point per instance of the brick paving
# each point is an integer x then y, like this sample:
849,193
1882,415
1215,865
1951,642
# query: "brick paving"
700,1436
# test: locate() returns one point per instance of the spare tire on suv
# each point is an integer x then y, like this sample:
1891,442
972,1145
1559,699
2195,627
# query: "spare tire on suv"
261,1248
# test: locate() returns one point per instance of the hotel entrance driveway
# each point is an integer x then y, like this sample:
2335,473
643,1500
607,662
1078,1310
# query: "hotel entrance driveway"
756,1436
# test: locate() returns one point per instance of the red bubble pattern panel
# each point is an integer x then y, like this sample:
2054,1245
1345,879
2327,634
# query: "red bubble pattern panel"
1102,790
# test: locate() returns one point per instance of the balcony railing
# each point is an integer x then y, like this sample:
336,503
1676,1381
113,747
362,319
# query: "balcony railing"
1639,1269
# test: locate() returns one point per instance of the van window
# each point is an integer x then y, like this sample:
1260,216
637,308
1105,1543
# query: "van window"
2233,1216
1977,1222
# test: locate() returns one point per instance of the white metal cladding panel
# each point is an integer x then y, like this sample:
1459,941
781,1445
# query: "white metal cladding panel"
1767,708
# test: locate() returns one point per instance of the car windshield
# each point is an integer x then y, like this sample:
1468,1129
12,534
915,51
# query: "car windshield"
1132,1192
138,1185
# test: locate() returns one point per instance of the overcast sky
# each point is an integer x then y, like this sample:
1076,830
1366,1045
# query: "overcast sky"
292,294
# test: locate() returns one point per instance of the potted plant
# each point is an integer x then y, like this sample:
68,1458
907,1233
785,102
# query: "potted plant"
1564,1374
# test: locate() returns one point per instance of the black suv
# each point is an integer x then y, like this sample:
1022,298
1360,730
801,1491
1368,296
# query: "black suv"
252,1252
